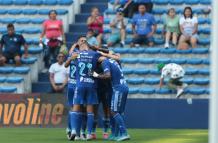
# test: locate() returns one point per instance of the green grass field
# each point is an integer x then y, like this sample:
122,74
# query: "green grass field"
51,135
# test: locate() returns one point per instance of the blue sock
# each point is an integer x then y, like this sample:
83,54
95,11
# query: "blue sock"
79,123
94,126
69,121
84,122
73,119
106,124
112,124
120,122
90,120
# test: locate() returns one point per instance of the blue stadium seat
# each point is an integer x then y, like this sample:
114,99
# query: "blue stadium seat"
21,70
65,2
35,2
159,30
191,1
107,30
23,20
179,11
3,30
129,31
159,10
196,91
110,11
205,2
3,11
14,79
141,71
128,40
159,41
135,80
206,61
35,50
147,90
161,2
32,30
19,30
136,50
206,30
2,79
204,71
129,60
152,50
29,41
121,50
14,11
154,71
178,60
151,80
35,41
191,71
188,51
6,70
159,21
194,61
202,20
163,91
197,10
7,20
44,11
201,81
176,2
146,60
62,11
168,50
200,51
50,2
106,20
133,90
162,60
207,91
29,60
187,80
37,20
29,11
9,89
6,2
20,2
204,41
127,71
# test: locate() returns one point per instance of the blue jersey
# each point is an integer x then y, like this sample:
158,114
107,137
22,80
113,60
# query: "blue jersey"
114,69
86,64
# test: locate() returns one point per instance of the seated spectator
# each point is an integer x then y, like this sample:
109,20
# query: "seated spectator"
54,32
58,74
118,25
171,27
95,22
189,29
143,27
12,43
148,4
127,6
91,39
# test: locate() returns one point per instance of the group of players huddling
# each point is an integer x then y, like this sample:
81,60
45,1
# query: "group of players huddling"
95,76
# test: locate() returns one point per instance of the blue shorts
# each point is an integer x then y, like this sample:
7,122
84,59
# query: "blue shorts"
85,96
142,39
119,98
70,93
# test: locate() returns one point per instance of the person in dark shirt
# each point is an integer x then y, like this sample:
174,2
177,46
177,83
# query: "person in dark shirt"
12,43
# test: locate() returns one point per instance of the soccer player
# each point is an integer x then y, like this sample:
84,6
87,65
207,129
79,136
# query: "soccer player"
112,70
85,92
175,72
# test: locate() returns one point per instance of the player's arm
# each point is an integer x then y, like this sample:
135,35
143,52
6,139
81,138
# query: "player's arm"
106,75
73,57
111,56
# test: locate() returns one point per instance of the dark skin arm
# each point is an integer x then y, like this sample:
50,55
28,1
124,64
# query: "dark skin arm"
103,75
73,57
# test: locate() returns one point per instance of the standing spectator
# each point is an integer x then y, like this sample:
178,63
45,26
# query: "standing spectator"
127,6
95,22
148,4
171,27
54,32
118,26
175,73
143,27
12,43
58,74
189,29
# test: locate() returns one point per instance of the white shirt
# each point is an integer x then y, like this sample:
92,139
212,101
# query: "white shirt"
59,71
172,71
188,24
118,24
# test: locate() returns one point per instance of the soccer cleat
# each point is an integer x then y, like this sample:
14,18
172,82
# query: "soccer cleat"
68,132
105,136
72,135
111,137
123,137
89,137
77,138
94,137
83,136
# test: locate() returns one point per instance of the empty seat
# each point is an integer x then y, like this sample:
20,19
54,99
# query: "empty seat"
19,30
159,30
176,2
154,71
201,81
168,50
35,2
159,41
23,20
147,90
127,71
65,2
188,51
202,20
37,20
135,80
152,80
6,70
29,60
136,50
32,30
191,1
2,79
159,11
14,11
205,2
204,71
3,11
35,50
43,11
200,51
206,61
197,10
106,20
62,11
194,61
191,71
161,2
196,91
50,2
147,60
6,2
7,20
3,30
129,60
133,90
21,70
20,2
141,71
9,89
107,30
204,41
187,80
152,50
29,11
121,50
178,60
162,60
163,91
14,79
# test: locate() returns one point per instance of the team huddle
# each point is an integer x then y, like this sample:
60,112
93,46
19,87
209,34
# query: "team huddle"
94,77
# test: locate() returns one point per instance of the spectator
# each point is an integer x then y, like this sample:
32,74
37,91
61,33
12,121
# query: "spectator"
12,43
54,32
175,73
91,39
171,27
118,26
143,27
189,29
148,4
58,74
95,22
127,6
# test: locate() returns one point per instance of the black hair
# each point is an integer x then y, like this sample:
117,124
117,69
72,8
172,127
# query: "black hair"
10,25
188,8
51,11
81,36
171,9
